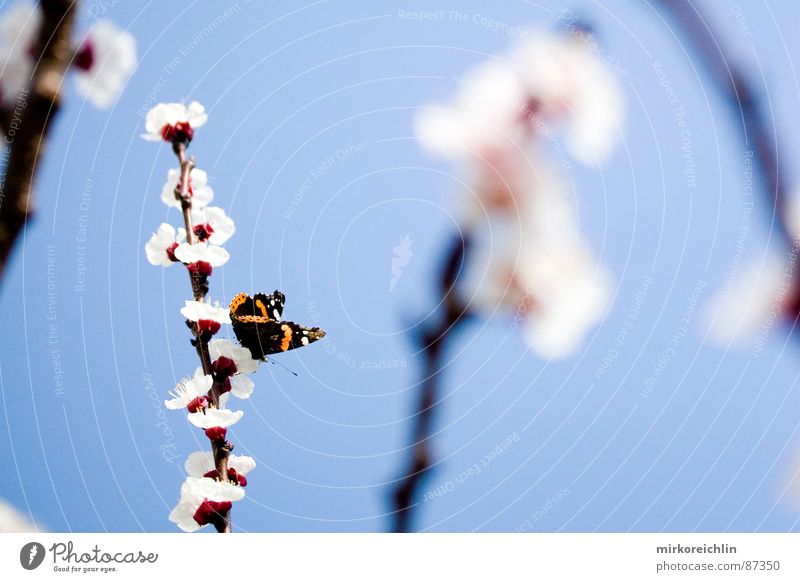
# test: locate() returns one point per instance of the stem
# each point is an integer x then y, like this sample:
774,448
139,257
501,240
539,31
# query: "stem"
36,108
744,102
452,315
220,450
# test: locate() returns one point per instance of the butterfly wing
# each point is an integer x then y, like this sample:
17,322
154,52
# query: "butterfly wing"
264,336
260,305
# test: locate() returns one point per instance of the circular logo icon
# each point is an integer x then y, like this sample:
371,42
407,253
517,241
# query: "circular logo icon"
31,555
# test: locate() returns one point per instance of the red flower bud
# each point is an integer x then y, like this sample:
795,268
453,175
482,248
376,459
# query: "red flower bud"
199,404
181,132
84,58
203,231
211,511
208,325
200,269
171,253
223,367
216,433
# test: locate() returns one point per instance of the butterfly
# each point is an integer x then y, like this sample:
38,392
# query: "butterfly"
258,326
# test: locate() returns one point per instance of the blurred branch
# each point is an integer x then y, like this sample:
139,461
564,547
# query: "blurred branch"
452,313
36,110
740,93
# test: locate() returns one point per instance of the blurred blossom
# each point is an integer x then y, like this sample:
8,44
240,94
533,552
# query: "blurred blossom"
546,84
528,256
533,262
12,521
487,115
105,61
752,302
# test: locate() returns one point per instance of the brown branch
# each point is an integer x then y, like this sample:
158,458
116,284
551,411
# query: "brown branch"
434,339
36,108
220,450
741,96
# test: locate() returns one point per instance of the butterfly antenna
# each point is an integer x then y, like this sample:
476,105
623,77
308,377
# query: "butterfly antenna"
277,363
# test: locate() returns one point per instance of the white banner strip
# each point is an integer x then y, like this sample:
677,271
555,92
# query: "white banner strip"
410,557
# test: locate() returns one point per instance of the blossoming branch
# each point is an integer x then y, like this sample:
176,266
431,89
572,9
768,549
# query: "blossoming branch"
216,478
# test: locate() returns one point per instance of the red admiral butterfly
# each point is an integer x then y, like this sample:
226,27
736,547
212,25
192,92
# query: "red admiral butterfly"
258,326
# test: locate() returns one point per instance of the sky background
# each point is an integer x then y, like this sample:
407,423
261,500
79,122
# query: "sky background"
712,446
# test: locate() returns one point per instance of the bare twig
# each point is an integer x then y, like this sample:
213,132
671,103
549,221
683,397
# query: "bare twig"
36,109
434,339
743,99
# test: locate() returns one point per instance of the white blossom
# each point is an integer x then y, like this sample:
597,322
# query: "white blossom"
201,192
241,386
211,254
189,389
196,490
163,241
165,116
199,310
201,462
245,364
214,417
213,219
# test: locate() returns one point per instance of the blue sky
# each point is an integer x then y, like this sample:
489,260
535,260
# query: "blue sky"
309,147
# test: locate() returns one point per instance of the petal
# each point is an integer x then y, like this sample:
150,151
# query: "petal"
183,516
168,190
199,463
216,256
214,490
241,463
215,417
196,114
241,386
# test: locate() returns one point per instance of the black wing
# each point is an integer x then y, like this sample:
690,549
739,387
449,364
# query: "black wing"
264,336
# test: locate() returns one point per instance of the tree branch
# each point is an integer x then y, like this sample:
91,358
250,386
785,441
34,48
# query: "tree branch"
434,339
741,96
220,449
36,108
